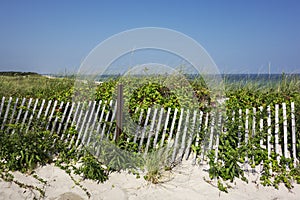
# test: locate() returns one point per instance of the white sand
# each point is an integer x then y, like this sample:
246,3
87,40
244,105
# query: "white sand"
184,182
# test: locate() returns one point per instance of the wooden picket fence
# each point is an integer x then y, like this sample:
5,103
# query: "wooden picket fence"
176,129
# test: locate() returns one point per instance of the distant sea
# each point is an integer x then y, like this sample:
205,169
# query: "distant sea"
229,78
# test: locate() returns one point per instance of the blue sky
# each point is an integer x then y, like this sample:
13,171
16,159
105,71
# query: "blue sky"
240,36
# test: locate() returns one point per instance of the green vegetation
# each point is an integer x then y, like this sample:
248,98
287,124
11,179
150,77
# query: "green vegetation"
152,92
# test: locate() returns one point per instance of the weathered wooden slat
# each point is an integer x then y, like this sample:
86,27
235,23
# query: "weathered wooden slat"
56,117
2,105
106,120
100,120
19,113
26,113
114,113
218,132
246,136
177,135
191,135
63,118
79,122
162,141
77,110
151,133
32,114
203,145
83,124
51,114
261,126
94,123
67,121
285,136
212,128
172,127
269,131
138,129
184,136
13,113
240,127
293,133
276,131
88,123
247,126
144,129
254,122
161,114
6,113
47,110
41,109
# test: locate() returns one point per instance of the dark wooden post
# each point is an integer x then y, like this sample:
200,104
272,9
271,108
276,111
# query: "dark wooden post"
119,111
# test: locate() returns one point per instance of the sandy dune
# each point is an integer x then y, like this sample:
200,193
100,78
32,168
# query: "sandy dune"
183,182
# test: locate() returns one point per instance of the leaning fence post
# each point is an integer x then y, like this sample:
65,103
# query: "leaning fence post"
119,111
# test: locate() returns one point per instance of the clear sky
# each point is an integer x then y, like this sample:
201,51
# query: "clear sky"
241,36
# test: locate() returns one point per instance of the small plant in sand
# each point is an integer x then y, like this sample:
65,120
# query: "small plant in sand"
156,163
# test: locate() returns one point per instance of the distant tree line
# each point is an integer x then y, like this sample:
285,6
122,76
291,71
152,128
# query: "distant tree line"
12,73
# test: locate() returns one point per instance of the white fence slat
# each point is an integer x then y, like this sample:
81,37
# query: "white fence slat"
218,137
63,118
269,131
20,111
184,136
74,122
32,114
212,128
106,120
144,128
100,120
2,105
6,113
51,114
247,126
96,115
172,127
88,127
191,135
56,117
178,132
261,126
86,112
253,122
114,112
161,114
94,123
41,109
67,121
78,122
276,131
285,137
138,129
26,112
165,128
239,127
293,132
151,131
47,110
14,111
203,145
